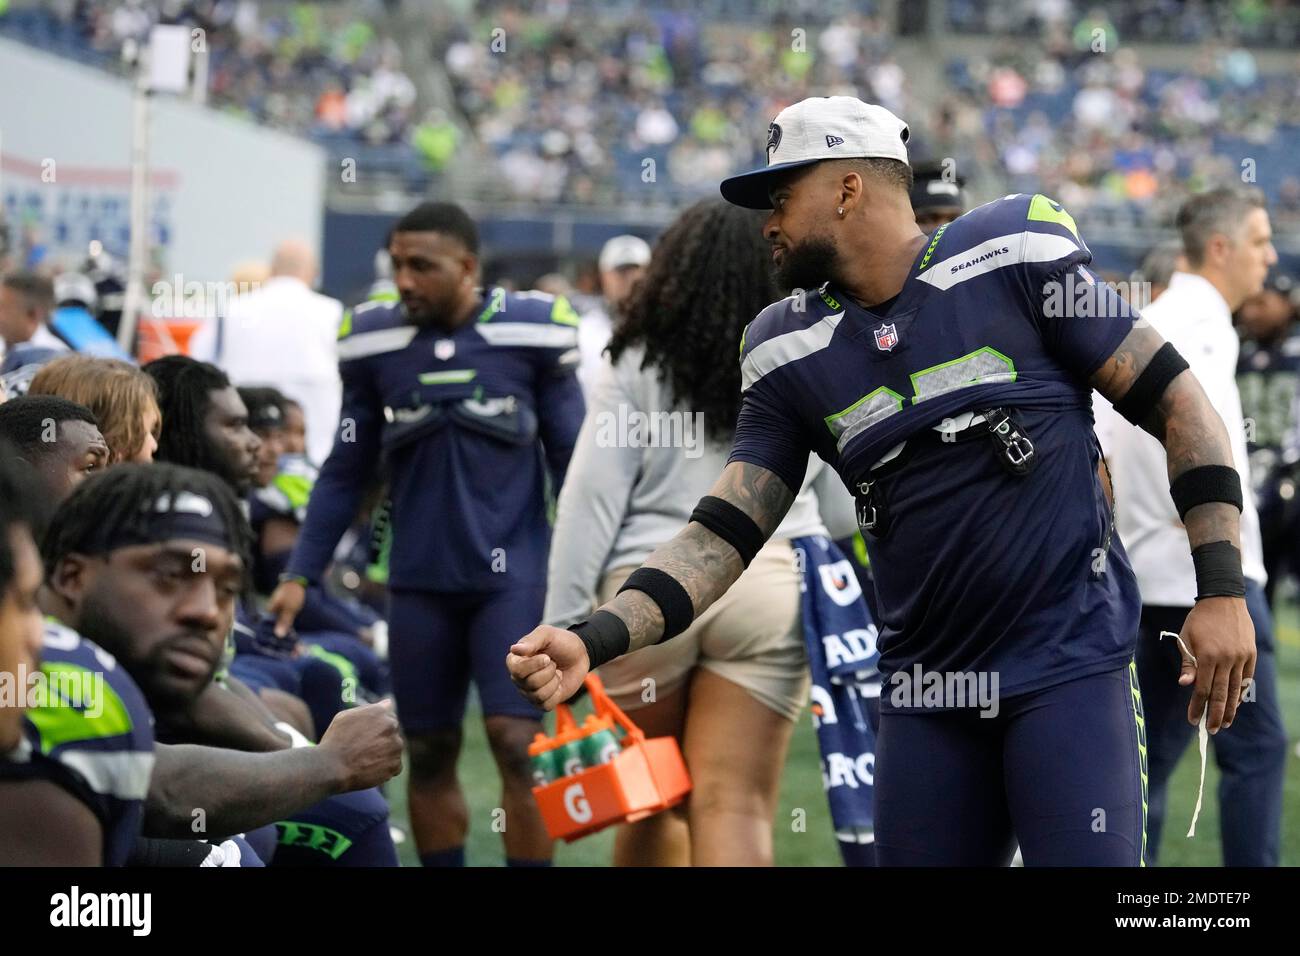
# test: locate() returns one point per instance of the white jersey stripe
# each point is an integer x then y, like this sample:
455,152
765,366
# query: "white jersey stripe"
995,253
524,333
364,344
124,775
784,349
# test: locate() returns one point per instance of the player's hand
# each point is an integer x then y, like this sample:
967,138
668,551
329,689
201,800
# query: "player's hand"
1219,633
365,745
548,666
285,603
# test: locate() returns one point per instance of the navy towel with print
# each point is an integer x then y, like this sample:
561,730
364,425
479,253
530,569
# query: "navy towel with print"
842,656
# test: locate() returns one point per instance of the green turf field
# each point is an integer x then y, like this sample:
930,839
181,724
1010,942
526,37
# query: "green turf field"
801,789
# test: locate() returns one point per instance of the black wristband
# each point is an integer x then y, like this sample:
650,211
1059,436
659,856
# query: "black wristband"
667,592
731,525
1218,570
1203,484
157,851
605,636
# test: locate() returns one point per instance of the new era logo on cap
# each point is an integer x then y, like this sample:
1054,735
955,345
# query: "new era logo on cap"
820,127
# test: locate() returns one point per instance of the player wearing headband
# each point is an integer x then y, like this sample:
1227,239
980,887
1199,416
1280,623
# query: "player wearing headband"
147,561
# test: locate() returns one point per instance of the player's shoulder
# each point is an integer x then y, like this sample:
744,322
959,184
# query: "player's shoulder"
536,319
1016,215
798,312
529,306
1018,229
371,316
63,644
88,730
371,328
288,493
89,713
788,330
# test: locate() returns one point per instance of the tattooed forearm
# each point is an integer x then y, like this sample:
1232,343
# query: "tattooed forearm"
1195,435
703,563
1184,421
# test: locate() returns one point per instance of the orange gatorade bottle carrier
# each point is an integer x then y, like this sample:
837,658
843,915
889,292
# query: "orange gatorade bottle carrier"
587,780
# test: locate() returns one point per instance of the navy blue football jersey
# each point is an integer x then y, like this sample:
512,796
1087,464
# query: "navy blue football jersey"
476,426
91,733
980,569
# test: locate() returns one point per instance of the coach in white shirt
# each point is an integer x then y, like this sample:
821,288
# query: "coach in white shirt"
284,334
1227,241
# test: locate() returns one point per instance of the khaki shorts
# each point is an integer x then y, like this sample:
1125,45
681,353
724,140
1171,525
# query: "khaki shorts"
752,636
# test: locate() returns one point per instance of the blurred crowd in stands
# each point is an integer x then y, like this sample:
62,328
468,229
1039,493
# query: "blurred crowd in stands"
574,113
303,67
653,104
1078,116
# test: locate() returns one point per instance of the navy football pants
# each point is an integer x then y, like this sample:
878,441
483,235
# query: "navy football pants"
348,829
1061,771
439,642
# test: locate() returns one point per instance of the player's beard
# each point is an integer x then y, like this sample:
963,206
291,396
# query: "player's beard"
422,319
807,265
99,623
432,315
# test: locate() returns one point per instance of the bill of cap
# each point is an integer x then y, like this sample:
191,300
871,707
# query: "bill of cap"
752,189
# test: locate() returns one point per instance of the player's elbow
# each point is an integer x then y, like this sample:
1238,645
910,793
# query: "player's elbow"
164,816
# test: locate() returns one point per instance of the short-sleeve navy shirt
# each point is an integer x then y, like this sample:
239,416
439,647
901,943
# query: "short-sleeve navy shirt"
980,570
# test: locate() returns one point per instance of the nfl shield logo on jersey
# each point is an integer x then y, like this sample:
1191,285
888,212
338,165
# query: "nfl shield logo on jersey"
886,338
444,349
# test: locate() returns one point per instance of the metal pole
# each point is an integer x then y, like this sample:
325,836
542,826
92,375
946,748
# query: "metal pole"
139,248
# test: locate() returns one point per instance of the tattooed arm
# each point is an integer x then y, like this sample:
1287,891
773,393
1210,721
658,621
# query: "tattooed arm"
549,665
703,563
1218,630
1184,422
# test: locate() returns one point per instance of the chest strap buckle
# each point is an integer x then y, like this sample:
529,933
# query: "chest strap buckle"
1015,451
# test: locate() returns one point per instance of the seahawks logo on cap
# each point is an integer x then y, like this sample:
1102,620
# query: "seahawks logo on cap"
773,140
186,502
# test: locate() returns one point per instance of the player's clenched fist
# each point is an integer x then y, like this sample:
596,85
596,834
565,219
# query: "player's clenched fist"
367,744
548,666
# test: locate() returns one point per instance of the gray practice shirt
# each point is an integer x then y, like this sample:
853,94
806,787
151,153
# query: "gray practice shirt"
640,466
